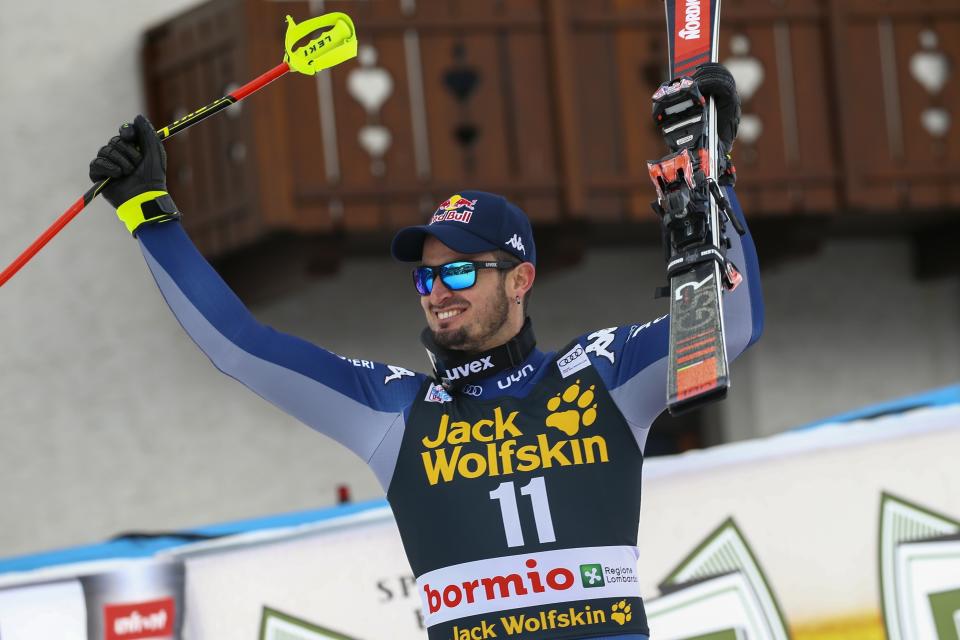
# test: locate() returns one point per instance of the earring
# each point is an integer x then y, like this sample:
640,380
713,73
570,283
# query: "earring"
518,300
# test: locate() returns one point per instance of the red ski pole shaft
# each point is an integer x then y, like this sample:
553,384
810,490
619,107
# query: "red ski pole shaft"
164,133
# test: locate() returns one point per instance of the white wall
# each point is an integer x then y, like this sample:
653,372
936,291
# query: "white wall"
111,420
846,328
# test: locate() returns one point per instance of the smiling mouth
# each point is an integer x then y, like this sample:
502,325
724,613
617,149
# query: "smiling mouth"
449,313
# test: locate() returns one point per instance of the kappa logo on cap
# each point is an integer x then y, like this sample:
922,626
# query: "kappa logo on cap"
456,208
517,244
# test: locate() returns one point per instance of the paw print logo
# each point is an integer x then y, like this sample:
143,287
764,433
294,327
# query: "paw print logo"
620,612
576,412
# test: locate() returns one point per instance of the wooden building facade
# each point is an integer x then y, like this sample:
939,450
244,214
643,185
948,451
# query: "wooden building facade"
850,122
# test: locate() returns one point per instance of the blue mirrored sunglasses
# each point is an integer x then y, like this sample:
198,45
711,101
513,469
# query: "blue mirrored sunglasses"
456,276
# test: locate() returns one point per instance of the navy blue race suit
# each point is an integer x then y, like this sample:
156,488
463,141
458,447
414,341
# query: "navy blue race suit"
518,499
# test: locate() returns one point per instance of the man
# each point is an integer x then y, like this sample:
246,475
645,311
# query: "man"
513,474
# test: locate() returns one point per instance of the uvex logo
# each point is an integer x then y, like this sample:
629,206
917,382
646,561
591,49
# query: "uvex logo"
691,14
152,619
471,367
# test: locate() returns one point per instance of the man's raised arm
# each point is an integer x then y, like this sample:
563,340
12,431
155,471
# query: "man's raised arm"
633,359
355,405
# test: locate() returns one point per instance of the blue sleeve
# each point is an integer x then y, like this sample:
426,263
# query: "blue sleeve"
633,360
353,401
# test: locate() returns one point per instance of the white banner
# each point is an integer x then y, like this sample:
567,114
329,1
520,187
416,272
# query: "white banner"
53,610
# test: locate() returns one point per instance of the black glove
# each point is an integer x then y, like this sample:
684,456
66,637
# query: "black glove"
715,81
136,165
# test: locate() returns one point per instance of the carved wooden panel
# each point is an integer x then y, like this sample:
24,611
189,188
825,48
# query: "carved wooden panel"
849,107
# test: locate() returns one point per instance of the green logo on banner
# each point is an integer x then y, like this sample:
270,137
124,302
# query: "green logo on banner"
591,575
275,625
726,634
946,614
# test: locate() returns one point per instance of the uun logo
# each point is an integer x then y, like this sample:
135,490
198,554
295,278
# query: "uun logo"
691,28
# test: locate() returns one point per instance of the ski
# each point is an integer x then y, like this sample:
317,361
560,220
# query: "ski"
693,211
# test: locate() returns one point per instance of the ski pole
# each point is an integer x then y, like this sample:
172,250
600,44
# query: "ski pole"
333,46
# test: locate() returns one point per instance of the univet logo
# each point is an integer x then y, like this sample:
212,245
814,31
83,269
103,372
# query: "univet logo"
510,586
516,243
153,619
491,447
691,30
471,367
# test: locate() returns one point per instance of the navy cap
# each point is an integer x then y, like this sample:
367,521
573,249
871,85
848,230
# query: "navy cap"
471,222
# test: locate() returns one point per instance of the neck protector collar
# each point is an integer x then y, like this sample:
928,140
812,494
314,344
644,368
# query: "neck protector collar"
456,369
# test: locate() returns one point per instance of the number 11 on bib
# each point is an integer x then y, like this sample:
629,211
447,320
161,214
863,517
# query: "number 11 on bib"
693,211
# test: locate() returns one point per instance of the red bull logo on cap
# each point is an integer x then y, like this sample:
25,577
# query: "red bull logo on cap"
456,207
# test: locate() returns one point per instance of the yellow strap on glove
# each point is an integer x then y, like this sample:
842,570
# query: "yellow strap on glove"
149,207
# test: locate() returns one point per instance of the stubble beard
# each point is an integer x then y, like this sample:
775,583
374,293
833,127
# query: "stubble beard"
462,340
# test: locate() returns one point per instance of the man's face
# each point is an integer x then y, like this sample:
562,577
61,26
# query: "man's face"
473,319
